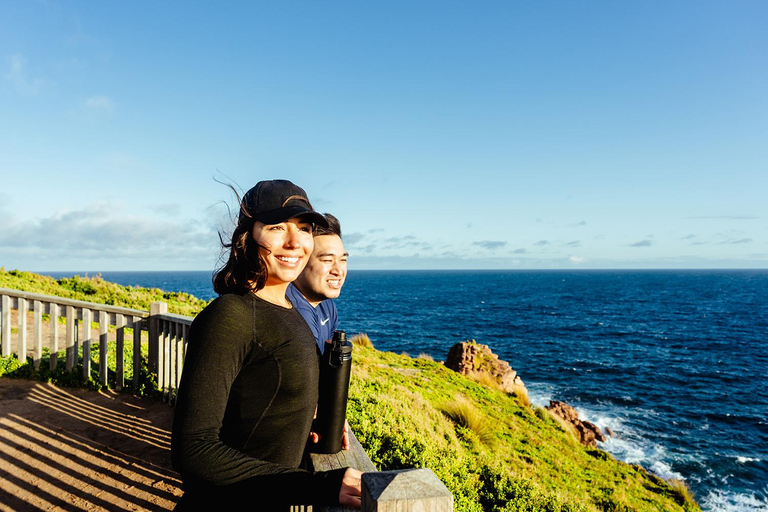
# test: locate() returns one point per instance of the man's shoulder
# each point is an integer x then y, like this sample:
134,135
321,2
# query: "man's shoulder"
327,306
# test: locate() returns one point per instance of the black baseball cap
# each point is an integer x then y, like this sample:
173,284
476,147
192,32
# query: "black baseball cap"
275,201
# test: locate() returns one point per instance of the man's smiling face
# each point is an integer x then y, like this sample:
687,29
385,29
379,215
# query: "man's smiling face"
326,270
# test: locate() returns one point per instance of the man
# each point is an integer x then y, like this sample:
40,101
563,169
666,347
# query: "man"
321,281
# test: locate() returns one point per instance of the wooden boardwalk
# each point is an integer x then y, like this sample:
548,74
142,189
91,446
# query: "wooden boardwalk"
73,449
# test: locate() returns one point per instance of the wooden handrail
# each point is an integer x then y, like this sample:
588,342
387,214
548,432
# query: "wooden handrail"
62,301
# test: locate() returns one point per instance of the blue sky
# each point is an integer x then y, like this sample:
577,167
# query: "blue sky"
442,134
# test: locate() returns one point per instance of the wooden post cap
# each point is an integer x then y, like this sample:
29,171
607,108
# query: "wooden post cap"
405,490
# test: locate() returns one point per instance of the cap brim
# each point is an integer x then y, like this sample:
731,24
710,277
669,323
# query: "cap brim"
289,212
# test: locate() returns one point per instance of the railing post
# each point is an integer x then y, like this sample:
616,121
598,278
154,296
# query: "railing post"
87,343
38,333
405,490
103,347
21,345
71,342
120,352
6,326
136,350
155,351
54,342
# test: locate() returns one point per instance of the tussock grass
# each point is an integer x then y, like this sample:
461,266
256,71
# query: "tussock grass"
683,495
465,415
425,356
361,340
485,379
522,396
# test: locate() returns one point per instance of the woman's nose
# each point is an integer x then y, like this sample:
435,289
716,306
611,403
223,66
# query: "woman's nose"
292,237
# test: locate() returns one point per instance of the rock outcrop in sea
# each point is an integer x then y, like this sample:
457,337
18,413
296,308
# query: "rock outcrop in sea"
588,432
478,361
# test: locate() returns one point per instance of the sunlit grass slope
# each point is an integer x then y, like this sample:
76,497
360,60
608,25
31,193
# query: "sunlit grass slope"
492,451
96,289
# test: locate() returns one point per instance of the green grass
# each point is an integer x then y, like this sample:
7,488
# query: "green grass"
397,408
492,449
96,289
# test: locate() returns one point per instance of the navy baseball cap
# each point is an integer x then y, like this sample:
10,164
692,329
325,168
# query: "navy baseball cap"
276,201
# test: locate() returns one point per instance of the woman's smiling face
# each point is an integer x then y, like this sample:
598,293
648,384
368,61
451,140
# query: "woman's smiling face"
285,247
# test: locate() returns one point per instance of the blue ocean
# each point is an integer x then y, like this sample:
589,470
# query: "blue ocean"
674,362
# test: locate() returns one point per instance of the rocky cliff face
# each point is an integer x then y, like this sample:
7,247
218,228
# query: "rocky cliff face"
475,360
589,433
480,363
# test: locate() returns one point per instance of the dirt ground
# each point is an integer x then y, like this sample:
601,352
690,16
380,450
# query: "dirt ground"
74,449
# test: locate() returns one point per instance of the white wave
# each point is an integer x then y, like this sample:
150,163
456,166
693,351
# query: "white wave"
664,471
743,460
540,394
723,501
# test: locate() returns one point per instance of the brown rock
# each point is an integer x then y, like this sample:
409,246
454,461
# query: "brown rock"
479,362
588,432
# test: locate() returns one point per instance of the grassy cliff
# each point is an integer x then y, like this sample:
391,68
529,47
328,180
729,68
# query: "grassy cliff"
492,450
96,289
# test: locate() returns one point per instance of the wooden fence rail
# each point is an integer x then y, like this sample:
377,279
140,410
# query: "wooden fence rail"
85,323
165,335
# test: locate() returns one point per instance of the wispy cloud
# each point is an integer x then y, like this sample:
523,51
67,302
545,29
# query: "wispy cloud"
727,217
491,244
101,104
737,241
104,232
542,242
16,74
642,243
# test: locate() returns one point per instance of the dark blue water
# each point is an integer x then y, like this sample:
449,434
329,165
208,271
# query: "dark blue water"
674,362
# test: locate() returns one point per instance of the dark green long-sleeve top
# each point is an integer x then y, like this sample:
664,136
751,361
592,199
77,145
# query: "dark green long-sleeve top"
245,405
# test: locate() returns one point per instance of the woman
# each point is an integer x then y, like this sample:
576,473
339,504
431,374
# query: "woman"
249,387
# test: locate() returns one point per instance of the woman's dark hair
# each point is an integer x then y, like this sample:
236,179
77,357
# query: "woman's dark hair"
245,269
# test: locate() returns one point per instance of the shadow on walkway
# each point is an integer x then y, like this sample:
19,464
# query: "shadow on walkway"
72,449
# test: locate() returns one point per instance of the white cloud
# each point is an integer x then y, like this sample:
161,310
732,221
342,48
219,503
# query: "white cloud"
99,104
16,75
105,236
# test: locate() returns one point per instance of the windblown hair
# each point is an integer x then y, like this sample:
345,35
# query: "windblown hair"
245,269
334,226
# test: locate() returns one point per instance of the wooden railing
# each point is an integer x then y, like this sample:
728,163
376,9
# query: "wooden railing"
165,335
